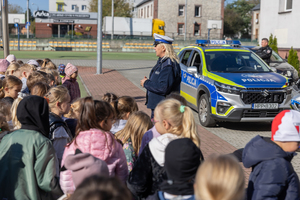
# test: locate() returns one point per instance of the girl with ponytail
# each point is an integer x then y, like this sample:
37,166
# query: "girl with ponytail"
172,120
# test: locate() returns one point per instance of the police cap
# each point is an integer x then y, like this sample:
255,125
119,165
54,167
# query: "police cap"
162,39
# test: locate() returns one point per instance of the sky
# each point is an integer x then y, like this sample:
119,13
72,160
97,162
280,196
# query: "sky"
42,4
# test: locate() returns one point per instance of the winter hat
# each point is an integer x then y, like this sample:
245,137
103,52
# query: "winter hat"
84,165
4,65
11,58
61,69
182,159
34,63
286,126
70,69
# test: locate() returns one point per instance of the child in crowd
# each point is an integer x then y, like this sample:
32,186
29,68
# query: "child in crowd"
3,67
5,111
28,155
56,76
110,98
49,64
25,71
11,86
11,58
182,159
93,136
51,79
220,178
124,106
152,133
20,62
14,120
101,188
34,78
13,69
70,81
40,62
40,89
61,71
72,117
172,120
34,63
273,176
59,104
131,136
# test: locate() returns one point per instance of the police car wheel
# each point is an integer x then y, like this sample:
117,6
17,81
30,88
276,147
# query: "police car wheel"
204,112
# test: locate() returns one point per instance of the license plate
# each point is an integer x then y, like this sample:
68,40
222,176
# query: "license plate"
264,106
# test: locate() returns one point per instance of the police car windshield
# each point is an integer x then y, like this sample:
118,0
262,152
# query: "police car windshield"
234,62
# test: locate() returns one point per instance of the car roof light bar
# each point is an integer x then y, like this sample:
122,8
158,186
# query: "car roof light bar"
218,42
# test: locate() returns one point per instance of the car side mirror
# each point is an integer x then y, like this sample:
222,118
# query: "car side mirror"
192,70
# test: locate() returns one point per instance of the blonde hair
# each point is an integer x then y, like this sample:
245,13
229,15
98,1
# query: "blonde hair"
57,94
170,53
27,68
109,97
9,82
12,67
48,64
182,123
124,105
220,178
75,107
34,78
136,126
13,110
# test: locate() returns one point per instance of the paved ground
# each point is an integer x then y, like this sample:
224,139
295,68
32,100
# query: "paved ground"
226,137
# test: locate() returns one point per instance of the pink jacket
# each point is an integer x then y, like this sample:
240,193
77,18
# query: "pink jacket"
101,145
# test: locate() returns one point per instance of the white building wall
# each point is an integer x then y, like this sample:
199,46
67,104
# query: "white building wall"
284,25
144,12
68,5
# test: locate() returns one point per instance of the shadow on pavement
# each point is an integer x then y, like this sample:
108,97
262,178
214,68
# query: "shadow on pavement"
245,126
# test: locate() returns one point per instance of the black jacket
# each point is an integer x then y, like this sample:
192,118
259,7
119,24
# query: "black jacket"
265,53
146,175
55,122
272,176
165,77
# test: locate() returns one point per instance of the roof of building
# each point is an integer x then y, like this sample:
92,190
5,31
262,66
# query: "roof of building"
144,1
257,7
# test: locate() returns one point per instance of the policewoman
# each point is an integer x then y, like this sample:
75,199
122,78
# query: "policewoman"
165,76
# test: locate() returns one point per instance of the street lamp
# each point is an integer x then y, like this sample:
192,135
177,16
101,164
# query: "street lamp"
35,5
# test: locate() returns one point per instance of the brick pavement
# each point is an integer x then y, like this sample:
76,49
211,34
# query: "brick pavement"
113,81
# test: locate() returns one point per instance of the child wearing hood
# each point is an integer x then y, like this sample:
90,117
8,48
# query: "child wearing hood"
273,176
70,81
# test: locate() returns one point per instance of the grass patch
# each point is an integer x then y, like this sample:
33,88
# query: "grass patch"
75,55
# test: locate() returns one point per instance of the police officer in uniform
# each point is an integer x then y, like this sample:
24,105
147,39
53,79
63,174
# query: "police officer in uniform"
265,52
165,76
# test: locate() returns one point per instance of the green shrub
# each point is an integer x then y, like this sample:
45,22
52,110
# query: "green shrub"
78,34
293,59
273,43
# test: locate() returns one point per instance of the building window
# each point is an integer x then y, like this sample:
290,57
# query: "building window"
288,4
83,7
73,7
180,28
257,16
197,29
198,11
180,10
59,7
148,11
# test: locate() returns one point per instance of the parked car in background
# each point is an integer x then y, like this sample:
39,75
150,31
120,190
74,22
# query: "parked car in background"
281,65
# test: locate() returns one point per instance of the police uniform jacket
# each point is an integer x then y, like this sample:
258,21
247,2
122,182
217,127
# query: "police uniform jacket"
265,53
165,77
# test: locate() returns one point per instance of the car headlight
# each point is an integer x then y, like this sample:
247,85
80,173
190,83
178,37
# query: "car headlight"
227,88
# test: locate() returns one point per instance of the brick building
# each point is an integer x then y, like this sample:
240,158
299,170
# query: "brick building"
173,14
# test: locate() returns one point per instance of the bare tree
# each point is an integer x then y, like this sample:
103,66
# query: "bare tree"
14,8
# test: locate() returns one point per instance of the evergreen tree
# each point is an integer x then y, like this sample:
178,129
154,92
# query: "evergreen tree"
293,59
273,43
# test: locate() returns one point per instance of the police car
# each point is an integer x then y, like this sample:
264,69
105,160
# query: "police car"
226,82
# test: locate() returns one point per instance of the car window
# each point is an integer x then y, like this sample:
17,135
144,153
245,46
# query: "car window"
185,57
234,62
275,57
196,60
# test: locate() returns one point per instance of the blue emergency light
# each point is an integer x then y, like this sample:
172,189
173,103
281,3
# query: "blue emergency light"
218,42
